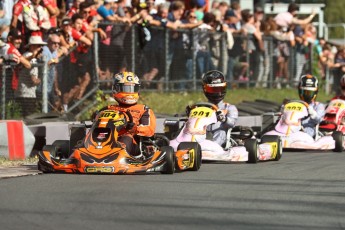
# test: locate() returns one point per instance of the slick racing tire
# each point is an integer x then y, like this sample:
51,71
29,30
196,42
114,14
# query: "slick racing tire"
197,150
252,148
278,140
338,138
169,167
62,148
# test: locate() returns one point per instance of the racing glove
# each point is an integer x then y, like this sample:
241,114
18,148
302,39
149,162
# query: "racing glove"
220,116
312,112
188,109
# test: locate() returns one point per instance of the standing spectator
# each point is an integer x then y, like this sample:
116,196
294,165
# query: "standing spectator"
17,16
82,65
36,19
74,9
66,38
28,78
51,55
6,8
53,11
203,56
254,43
339,68
286,19
301,51
14,41
231,20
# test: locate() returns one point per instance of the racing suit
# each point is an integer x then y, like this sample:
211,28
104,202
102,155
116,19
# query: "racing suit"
144,124
220,129
309,124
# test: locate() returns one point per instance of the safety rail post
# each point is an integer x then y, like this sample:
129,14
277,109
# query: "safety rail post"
133,47
45,85
3,93
248,61
96,55
166,56
193,47
271,60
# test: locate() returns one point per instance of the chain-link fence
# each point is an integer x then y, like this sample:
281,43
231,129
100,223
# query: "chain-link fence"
165,60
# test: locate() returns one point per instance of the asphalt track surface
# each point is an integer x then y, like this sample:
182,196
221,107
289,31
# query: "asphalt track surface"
304,190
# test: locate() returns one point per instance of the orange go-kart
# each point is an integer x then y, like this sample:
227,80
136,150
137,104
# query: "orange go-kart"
99,151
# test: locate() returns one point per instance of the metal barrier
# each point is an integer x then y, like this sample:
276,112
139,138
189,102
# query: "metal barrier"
170,60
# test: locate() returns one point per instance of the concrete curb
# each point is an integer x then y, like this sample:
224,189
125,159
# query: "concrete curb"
17,171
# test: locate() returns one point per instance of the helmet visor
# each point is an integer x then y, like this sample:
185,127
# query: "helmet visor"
215,88
127,88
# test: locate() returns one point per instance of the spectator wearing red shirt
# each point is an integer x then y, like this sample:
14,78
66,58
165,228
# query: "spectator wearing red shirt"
53,11
74,9
17,15
88,23
14,41
82,61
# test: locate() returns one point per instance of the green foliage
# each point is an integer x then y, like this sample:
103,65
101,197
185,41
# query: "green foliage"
334,14
13,110
175,103
102,100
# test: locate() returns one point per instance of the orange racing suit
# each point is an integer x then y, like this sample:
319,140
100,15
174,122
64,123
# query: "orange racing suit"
144,124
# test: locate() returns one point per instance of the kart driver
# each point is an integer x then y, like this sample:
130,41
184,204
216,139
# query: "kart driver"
126,92
342,86
307,90
214,86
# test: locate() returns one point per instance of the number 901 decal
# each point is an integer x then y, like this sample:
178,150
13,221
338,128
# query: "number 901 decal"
201,112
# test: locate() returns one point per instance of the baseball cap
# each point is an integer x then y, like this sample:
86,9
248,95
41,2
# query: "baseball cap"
66,21
15,33
109,1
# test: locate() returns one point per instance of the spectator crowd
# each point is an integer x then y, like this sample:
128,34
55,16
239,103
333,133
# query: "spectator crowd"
62,33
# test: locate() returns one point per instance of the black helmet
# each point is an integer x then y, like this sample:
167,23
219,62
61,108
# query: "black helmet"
308,88
214,86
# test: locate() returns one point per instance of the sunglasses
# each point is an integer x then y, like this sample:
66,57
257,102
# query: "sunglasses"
86,11
56,43
192,16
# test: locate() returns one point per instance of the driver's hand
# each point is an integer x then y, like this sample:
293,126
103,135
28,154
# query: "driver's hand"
312,112
131,127
221,116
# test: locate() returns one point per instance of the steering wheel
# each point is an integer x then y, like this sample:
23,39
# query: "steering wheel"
205,104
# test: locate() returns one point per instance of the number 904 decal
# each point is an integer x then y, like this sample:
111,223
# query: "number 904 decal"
201,112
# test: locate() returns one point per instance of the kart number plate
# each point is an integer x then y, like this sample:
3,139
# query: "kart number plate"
201,112
294,106
337,105
110,114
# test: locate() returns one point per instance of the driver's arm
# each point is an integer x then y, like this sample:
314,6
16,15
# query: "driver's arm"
147,123
231,116
320,110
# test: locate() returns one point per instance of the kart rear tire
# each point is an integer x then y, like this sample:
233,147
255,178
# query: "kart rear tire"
252,148
274,138
169,167
62,148
197,156
338,138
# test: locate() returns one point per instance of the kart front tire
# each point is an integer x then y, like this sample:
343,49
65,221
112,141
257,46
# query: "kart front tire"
252,148
278,140
197,150
169,167
338,138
